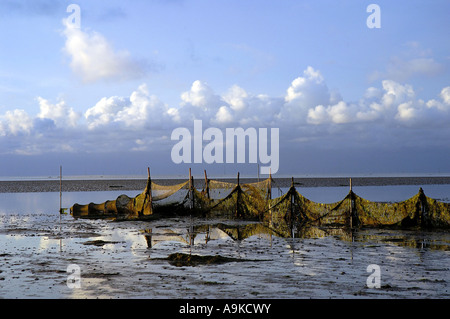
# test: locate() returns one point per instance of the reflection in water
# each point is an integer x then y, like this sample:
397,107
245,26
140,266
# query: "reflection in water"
204,233
292,262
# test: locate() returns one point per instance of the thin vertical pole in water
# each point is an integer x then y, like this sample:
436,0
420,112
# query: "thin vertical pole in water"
292,203
191,189
270,184
351,205
269,195
238,197
60,191
149,190
206,185
60,206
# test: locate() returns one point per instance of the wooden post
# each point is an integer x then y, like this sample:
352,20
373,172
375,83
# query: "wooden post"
149,190
352,204
191,187
238,189
190,178
60,190
292,201
206,185
269,195
60,205
270,184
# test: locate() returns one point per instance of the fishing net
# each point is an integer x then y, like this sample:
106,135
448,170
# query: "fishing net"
253,201
160,192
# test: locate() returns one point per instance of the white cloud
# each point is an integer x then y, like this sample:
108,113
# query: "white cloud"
308,112
143,109
140,109
200,102
236,98
445,95
224,116
104,111
306,88
303,94
200,95
318,115
93,58
15,122
60,113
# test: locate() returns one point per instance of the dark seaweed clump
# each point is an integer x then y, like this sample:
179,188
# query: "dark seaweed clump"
180,260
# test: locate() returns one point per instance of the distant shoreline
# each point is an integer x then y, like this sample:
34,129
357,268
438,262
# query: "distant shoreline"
27,186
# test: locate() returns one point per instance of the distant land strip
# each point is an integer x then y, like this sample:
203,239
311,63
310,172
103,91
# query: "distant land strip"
139,184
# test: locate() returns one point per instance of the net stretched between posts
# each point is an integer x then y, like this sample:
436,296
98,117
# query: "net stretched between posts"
253,201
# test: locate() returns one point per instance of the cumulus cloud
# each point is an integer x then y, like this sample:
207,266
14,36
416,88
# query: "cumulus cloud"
104,111
304,93
59,113
93,58
395,102
15,122
308,111
139,110
445,95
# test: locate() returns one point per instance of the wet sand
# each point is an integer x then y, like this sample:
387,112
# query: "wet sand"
138,184
132,259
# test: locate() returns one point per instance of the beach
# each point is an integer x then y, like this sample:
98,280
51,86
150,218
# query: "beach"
130,259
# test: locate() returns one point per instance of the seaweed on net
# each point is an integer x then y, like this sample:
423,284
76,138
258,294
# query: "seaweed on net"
254,201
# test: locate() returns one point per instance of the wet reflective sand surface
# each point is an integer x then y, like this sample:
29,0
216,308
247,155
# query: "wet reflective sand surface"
129,260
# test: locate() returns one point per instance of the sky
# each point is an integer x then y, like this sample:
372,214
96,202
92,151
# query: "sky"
98,87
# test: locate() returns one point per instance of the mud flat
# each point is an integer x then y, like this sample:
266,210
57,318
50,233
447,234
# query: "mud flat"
134,260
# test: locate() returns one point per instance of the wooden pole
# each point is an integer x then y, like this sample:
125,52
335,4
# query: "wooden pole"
351,205
191,186
149,190
60,205
269,193
292,200
206,185
238,197
60,190
270,184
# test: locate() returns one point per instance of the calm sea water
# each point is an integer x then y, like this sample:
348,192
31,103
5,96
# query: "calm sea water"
126,259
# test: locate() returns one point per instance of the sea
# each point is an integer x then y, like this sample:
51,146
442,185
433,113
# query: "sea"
48,255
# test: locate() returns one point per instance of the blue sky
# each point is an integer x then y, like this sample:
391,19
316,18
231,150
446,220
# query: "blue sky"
105,97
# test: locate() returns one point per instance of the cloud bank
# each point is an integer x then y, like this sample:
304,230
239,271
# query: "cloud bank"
307,113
